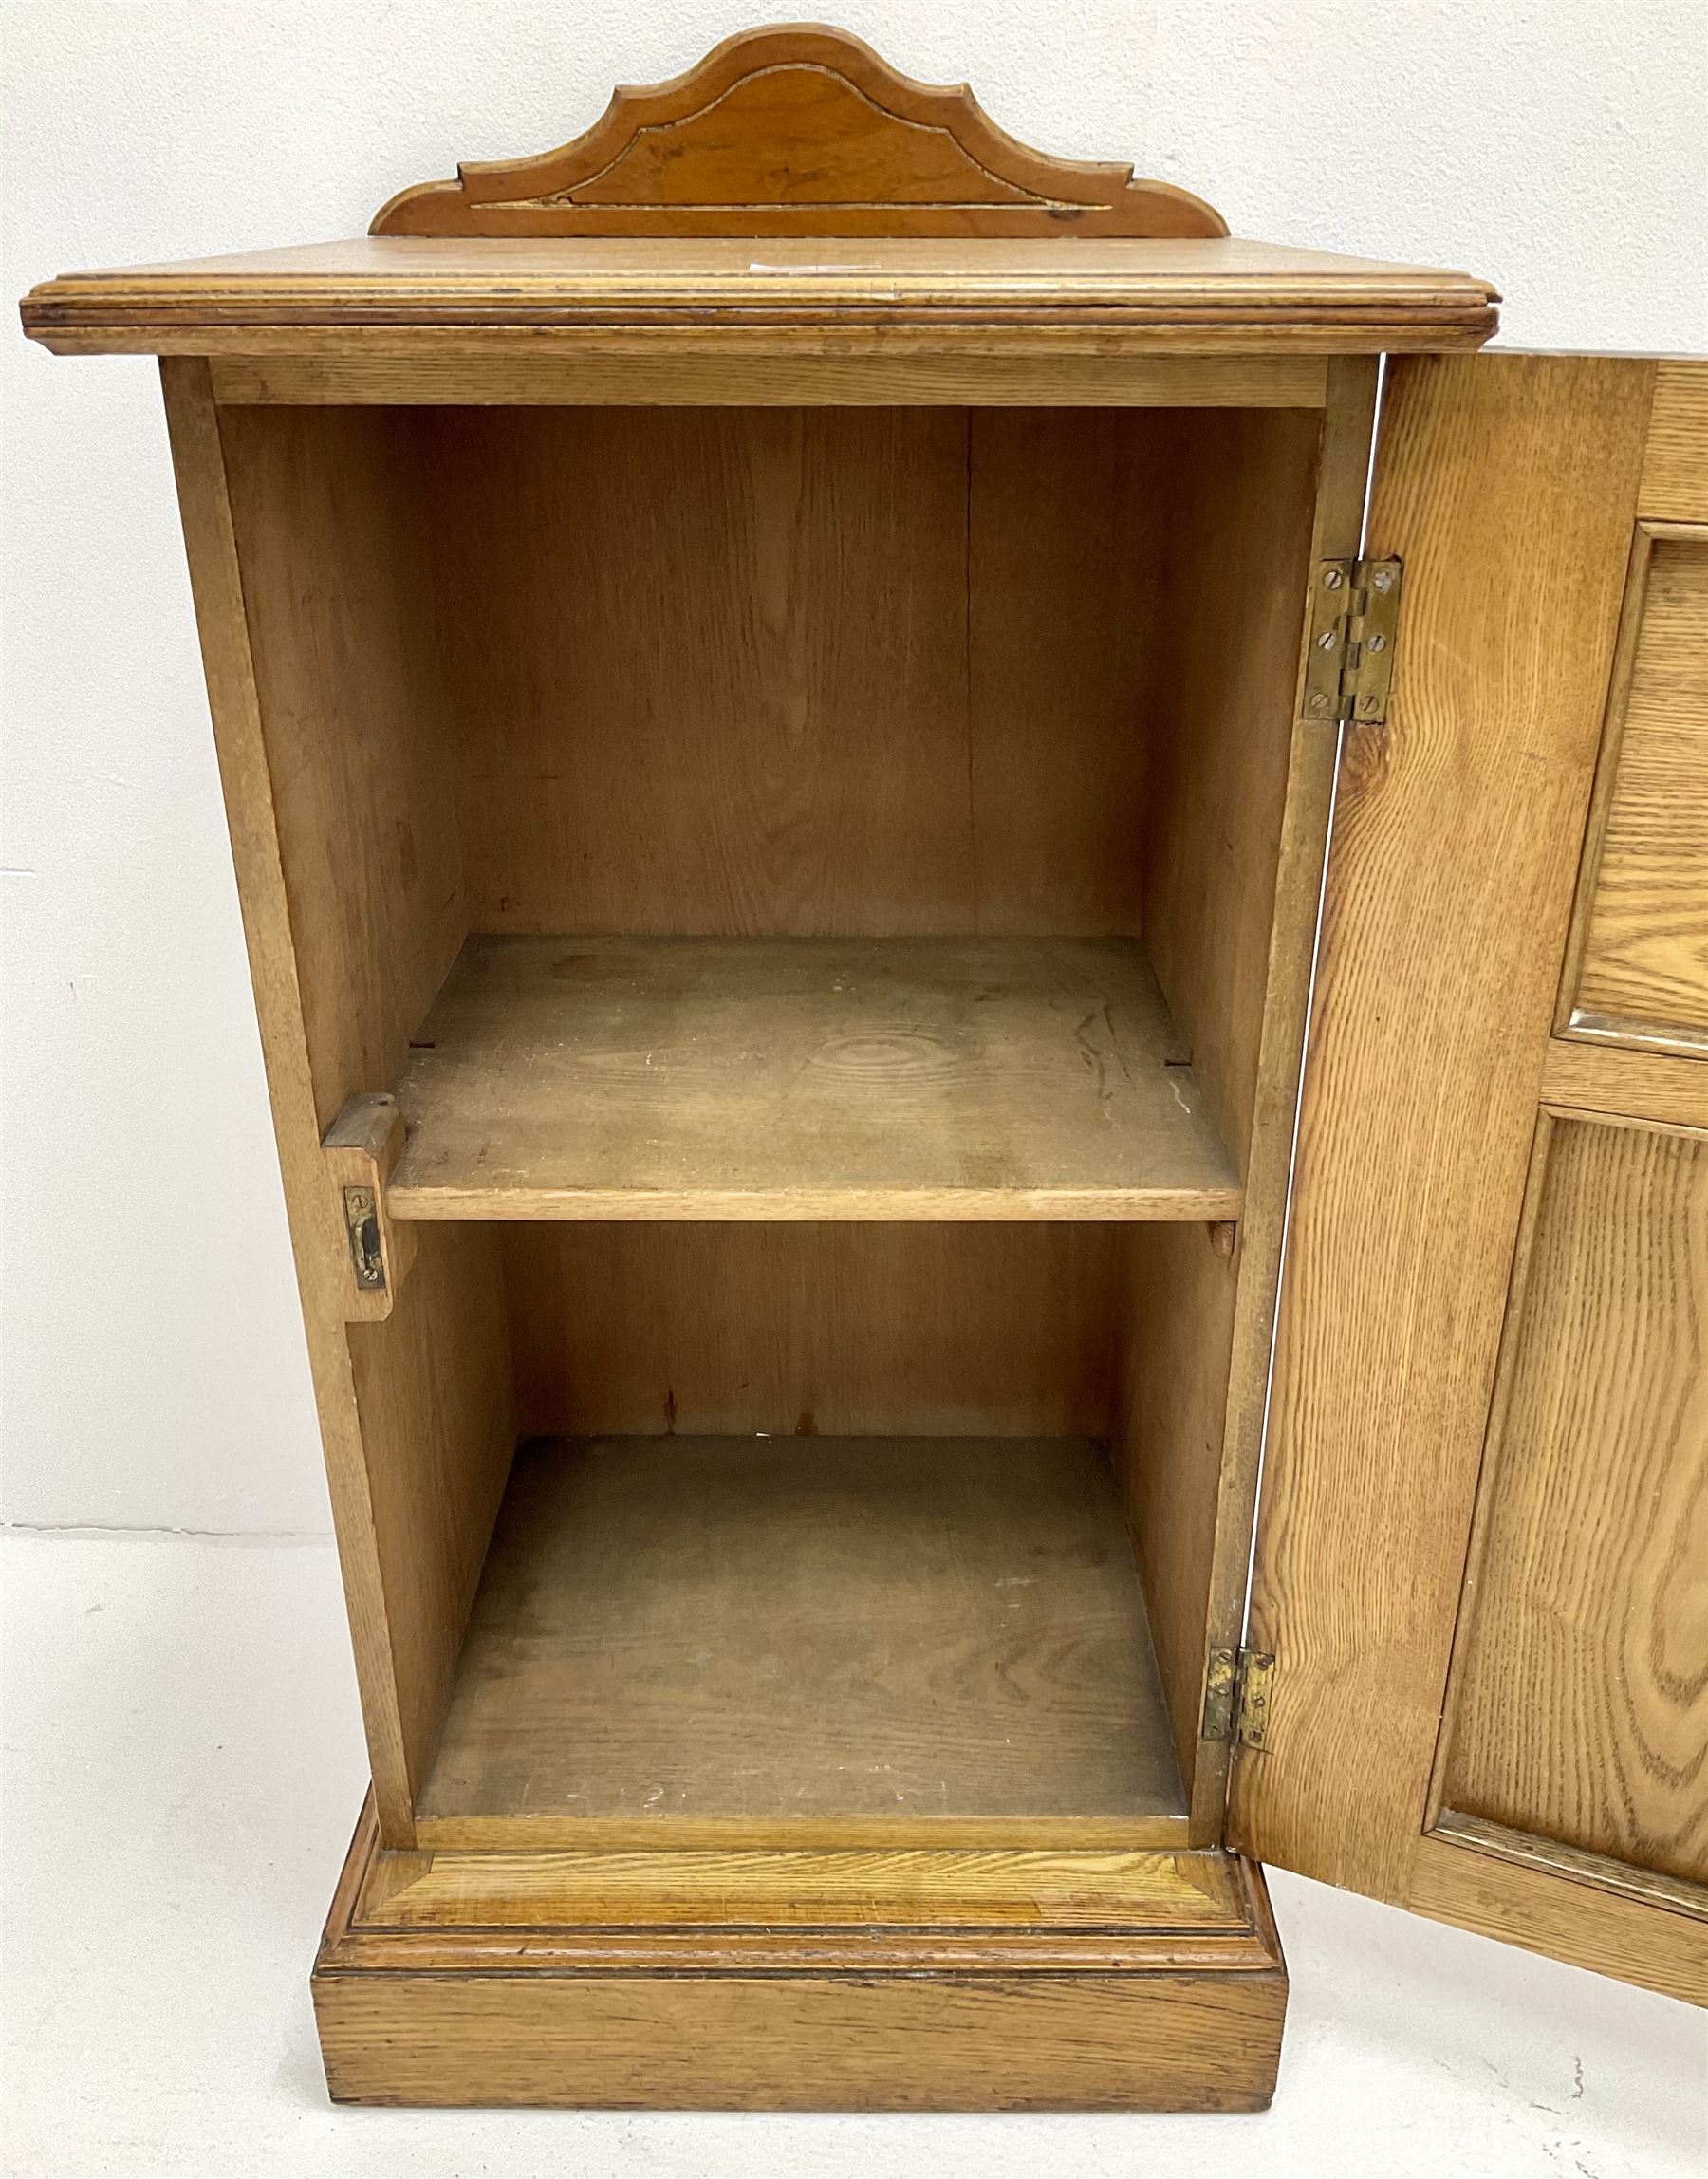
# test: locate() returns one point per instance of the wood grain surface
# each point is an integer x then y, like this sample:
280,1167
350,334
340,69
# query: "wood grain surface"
1064,557
1241,788
822,1078
799,129
766,1631
1530,1850
1642,971
1631,1084
317,1228
352,701
1175,2003
417,296
1206,2040
709,667
803,672
1431,1024
756,1888
1675,468
999,1328
1546,1910
436,1402
1579,1701
988,376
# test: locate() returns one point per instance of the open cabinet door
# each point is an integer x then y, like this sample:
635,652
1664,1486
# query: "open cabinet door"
1483,1549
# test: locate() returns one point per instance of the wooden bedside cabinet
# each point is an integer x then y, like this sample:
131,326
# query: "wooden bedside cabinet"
780,674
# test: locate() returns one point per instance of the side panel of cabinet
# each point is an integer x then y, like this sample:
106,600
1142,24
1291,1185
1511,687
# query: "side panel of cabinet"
1411,1340
328,841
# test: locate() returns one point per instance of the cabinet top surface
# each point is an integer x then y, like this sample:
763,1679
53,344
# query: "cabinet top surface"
1117,284
792,187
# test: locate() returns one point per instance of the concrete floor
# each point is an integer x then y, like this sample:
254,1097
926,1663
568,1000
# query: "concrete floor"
183,1765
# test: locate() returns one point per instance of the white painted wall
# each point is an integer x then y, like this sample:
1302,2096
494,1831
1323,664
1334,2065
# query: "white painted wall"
153,1371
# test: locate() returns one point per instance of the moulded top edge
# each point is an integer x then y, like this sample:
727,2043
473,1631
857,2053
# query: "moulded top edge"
434,282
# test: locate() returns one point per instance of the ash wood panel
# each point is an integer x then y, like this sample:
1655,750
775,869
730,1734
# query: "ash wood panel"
436,1402
771,1630
1243,793
710,668
1031,1889
992,378
1431,1023
1675,467
316,1222
330,533
419,296
347,877
361,1934
727,347
839,672
1544,1912
1633,1084
807,1079
1579,1701
1063,561
1165,1833
1173,1395
1643,973
1193,2041
1240,527
798,129
1006,1330
350,690
1679,1895
873,2016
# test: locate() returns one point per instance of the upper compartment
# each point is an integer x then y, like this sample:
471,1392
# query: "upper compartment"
896,219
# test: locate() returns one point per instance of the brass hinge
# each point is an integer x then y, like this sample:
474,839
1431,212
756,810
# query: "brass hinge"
1354,615
1236,1694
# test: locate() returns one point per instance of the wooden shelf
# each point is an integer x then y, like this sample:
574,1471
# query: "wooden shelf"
898,1639
805,1078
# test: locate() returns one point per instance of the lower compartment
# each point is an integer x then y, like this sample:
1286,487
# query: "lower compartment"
807,1639
802,1979
761,1528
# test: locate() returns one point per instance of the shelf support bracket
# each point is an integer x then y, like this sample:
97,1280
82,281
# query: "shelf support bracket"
361,1146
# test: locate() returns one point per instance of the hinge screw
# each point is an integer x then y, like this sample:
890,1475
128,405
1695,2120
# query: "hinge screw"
1327,640
1332,578
1376,642
1319,701
1383,578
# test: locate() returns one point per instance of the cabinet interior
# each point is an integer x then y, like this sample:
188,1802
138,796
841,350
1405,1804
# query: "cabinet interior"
808,875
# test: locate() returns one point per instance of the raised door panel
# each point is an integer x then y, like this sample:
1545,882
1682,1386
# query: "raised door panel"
1578,1711
1566,1808
1639,971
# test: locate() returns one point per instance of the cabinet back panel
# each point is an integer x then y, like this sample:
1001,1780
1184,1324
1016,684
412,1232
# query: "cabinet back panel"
840,1331
798,672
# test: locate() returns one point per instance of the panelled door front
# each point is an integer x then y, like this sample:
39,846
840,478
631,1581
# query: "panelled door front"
1482,1551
